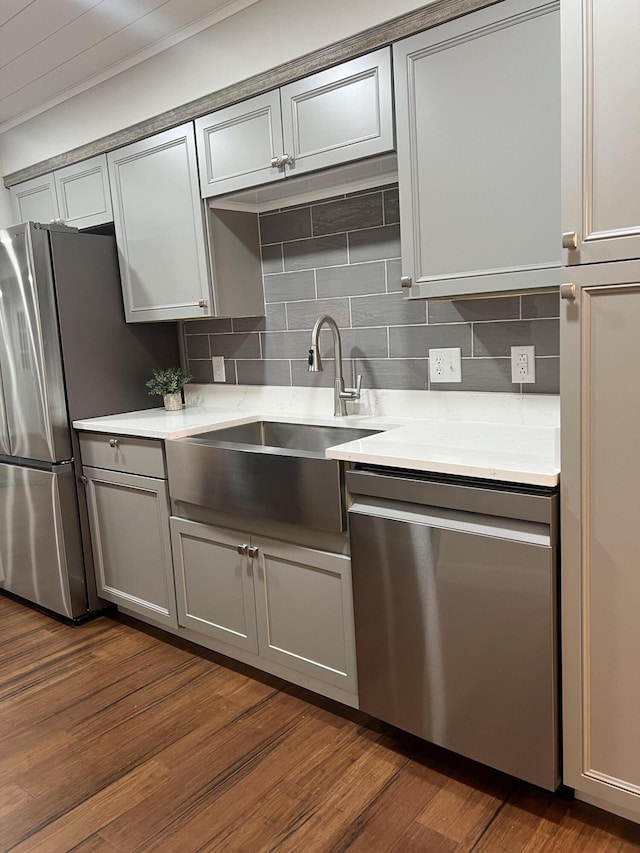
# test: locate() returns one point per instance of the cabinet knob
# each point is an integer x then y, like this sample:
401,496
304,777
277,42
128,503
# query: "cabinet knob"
405,281
276,163
567,291
113,442
242,549
570,240
287,160
252,552
204,303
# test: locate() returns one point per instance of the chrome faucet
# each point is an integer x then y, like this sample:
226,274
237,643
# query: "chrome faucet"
340,393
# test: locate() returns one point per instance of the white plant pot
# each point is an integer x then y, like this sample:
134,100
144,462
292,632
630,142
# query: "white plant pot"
173,402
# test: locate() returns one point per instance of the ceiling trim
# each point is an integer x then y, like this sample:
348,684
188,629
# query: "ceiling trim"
364,42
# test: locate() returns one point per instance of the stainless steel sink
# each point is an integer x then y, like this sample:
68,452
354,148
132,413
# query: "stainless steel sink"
274,471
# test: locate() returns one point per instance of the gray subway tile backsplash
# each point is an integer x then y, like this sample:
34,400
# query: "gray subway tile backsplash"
342,215
303,315
496,339
388,309
315,252
285,225
416,341
289,286
374,244
341,256
351,280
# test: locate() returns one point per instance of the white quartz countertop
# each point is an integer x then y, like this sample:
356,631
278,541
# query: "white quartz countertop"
511,452
507,452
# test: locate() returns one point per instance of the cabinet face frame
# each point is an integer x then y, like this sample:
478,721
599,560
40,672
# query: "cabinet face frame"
193,291
590,82
83,175
587,643
490,274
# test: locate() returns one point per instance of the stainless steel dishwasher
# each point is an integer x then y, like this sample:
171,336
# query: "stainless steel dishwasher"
454,586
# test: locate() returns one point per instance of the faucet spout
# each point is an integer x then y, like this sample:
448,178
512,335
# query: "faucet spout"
340,393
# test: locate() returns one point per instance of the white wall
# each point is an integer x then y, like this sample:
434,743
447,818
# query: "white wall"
254,40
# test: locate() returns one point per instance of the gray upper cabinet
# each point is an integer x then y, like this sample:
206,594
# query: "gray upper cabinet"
478,124
159,227
341,114
35,200
82,190
601,123
237,144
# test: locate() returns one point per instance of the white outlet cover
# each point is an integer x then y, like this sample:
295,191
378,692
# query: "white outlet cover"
523,365
445,365
219,374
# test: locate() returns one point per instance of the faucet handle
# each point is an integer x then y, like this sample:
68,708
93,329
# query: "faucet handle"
352,393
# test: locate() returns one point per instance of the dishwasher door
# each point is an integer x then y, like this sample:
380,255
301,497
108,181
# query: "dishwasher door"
455,616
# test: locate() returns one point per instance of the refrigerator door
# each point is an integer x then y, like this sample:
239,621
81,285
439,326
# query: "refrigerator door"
30,358
40,547
5,446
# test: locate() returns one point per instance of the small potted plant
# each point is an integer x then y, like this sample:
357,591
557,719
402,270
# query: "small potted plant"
168,383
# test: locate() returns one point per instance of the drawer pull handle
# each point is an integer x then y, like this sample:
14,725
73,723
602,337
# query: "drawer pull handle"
113,442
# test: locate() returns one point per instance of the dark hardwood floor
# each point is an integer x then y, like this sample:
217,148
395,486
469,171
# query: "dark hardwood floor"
113,740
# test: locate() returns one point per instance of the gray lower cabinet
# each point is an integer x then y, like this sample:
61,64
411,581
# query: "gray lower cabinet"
600,126
341,114
129,522
82,190
600,510
35,200
288,604
478,126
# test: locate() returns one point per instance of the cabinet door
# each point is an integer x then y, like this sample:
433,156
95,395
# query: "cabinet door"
601,126
83,193
237,144
214,583
337,115
600,511
159,227
35,200
304,609
478,123
129,519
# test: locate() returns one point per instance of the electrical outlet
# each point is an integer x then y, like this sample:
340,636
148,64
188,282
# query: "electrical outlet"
445,365
218,368
523,364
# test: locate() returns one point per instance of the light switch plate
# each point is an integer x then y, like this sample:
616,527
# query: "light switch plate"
445,365
219,374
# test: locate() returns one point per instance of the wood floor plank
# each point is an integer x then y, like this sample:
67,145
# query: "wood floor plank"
115,739
97,811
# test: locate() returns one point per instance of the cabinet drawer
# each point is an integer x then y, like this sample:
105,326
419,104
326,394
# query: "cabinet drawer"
123,453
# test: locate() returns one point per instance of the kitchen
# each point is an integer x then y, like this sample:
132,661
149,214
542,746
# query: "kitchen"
388,340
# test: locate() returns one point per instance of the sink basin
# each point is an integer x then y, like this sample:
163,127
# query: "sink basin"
266,470
299,439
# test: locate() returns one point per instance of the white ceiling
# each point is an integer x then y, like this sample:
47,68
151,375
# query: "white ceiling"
52,49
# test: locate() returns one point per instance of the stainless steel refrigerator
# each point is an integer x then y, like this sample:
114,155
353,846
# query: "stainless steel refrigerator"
65,353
